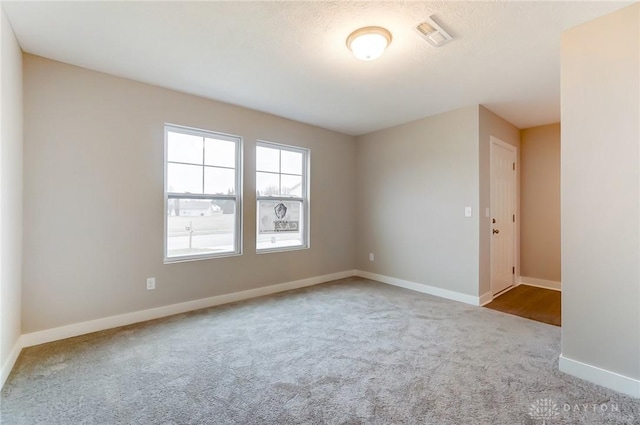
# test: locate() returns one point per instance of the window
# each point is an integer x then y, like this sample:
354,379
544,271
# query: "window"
281,191
202,194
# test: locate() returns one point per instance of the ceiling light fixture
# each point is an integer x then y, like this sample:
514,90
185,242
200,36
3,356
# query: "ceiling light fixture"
368,43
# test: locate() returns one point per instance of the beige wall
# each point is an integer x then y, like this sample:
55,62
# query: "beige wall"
10,192
540,203
413,183
93,210
600,193
491,124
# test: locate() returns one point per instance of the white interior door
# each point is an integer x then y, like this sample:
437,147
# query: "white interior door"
503,210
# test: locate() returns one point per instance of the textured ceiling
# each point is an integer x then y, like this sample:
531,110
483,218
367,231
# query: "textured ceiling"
290,58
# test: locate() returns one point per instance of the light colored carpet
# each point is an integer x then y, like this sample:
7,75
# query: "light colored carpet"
349,352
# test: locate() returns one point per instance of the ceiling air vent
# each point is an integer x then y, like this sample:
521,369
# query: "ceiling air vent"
433,33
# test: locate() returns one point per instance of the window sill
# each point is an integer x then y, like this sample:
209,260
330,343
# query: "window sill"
186,258
281,249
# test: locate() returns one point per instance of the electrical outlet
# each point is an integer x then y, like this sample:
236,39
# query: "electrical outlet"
151,283
371,256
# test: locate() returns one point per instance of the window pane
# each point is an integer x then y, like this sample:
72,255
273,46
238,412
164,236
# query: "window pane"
292,185
292,162
219,152
184,148
267,184
199,226
267,159
184,178
279,224
219,181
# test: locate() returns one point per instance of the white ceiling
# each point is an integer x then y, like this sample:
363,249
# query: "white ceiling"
289,58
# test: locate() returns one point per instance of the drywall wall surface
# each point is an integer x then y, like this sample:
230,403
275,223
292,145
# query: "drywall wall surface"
600,189
94,197
491,125
413,184
10,190
540,203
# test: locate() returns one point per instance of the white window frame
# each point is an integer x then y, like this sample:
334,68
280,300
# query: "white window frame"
306,210
237,197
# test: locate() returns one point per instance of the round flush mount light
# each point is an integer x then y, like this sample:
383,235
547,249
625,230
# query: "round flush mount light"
368,43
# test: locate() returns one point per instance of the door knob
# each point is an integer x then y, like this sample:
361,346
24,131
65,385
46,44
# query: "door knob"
496,231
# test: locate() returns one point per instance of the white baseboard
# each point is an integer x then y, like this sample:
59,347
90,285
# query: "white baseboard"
11,361
581,370
598,376
82,328
541,283
420,287
485,299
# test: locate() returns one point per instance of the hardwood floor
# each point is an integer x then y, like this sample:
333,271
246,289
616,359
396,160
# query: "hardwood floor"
542,305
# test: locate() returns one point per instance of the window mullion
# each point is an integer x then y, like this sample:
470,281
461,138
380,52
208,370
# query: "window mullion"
203,153
279,198
280,172
173,195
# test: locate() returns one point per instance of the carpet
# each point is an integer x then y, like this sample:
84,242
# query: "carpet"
349,352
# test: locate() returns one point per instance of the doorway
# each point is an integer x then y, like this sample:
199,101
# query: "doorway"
539,304
503,188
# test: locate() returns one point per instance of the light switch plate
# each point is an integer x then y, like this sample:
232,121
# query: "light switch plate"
467,211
